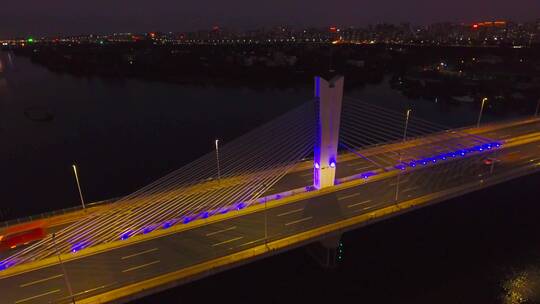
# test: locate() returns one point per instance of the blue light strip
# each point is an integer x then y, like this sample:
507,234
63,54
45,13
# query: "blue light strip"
126,235
78,246
365,175
5,264
448,155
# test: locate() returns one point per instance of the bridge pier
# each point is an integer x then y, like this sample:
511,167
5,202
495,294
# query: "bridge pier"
326,252
329,96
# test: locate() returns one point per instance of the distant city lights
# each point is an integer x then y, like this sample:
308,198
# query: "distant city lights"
478,33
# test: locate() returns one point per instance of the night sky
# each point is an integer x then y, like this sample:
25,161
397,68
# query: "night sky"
50,17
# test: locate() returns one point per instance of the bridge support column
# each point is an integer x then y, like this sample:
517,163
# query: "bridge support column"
326,252
329,96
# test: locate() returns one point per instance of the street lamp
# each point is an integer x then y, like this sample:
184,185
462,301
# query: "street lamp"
217,159
266,223
408,114
330,69
397,181
78,185
406,124
481,110
66,278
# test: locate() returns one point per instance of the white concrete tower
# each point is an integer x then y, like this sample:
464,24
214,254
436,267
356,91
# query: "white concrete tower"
328,95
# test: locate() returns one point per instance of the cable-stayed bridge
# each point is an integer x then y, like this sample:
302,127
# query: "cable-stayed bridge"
331,165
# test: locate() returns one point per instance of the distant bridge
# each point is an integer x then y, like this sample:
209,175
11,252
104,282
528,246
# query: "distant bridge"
326,167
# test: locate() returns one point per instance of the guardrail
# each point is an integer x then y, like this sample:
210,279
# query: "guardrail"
50,214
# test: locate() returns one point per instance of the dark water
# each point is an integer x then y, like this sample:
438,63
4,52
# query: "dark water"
121,134
482,248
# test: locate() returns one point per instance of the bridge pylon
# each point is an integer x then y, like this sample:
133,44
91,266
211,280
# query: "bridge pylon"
328,96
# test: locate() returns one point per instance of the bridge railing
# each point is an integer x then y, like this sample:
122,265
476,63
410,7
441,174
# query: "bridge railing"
49,214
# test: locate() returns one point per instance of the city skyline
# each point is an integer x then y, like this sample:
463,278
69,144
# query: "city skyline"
31,17
500,31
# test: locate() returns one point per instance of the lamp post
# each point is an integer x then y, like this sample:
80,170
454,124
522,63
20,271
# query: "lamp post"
408,114
266,223
481,110
78,185
217,160
406,124
330,69
66,278
397,182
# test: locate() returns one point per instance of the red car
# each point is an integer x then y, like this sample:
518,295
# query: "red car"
22,235
490,161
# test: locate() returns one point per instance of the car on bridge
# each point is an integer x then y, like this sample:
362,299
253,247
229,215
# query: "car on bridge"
490,161
20,235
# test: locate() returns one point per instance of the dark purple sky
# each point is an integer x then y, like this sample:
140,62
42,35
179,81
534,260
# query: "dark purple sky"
38,17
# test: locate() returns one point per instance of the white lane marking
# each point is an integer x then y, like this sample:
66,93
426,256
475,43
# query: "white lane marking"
93,289
352,164
38,296
41,281
367,208
410,189
363,168
252,242
384,160
220,231
139,253
523,157
348,196
299,221
290,212
400,182
141,266
357,204
228,241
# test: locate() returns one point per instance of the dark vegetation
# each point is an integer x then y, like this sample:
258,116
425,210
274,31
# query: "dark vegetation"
509,77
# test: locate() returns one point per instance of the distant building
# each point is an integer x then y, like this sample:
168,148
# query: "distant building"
490,59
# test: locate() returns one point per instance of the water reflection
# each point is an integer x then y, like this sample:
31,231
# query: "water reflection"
6,61
10,60
4,65
522,287
3,80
